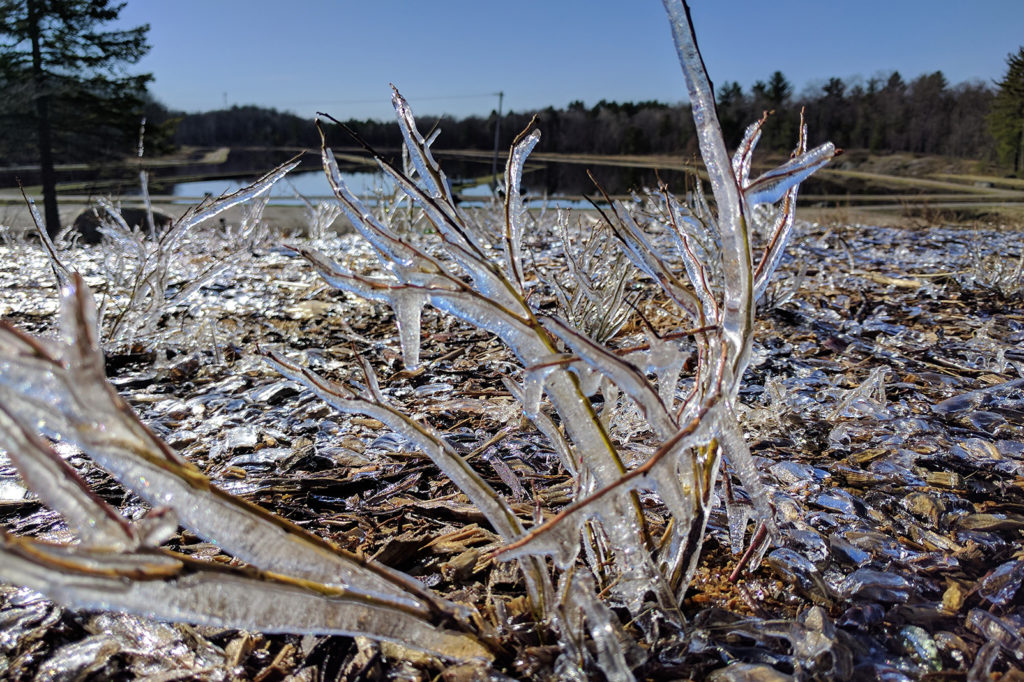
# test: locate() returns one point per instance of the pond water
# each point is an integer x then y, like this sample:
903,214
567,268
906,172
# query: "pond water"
551,183
310,184
313,186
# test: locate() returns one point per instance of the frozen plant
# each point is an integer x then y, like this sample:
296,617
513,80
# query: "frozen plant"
607,550
1002,273
147,273
592,291
319,216
482,277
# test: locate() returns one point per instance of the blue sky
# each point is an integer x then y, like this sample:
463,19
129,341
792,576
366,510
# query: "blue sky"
453,56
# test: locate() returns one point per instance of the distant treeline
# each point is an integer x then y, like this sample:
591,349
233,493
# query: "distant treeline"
926,116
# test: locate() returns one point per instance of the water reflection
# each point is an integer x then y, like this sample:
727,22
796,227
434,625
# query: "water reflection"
311,184
562,185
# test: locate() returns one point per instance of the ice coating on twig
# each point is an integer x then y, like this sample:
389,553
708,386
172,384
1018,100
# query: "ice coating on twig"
60,271
174,588
515,213
419,152
214,207
388,245
744,154
623,374
737,304
60,487
770,187
348,400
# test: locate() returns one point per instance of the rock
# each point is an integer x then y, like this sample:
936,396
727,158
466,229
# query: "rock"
88,221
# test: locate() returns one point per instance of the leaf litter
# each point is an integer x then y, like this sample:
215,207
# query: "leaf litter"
887,422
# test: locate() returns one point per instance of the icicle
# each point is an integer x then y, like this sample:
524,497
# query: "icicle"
738,512
666,360
156,527
408,306
547,426
610,396
533,383
674,478
406,301
603,625
590,378
735,450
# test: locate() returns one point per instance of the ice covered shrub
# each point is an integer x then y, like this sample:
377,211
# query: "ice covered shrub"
704,262
149,271
607,550
1002,274
319,216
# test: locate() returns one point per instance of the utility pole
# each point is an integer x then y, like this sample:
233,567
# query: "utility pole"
497,133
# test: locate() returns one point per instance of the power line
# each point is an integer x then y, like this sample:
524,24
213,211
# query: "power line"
377,100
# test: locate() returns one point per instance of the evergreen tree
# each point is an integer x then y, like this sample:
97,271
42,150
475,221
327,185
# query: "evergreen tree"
780,130
779,89
1006,118
70,92
732,112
